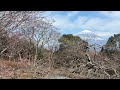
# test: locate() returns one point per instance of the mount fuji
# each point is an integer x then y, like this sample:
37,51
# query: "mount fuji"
91,37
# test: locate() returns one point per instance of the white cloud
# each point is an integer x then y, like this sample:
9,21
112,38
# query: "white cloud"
79,22
73,13
62,21
104,34
112,14
101,26
93,23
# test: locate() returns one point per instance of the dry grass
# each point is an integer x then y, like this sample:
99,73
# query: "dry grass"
8,68
15,70
105,68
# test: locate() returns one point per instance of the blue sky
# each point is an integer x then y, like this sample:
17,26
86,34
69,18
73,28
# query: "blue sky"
103,23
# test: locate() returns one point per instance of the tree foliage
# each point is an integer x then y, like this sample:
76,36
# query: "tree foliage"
113,40
68,39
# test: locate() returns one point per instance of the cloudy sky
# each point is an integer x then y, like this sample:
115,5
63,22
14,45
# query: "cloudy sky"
103,23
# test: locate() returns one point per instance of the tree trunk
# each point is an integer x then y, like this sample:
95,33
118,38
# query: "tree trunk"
10,57
19,56
95,52
29,55
29,61
36,54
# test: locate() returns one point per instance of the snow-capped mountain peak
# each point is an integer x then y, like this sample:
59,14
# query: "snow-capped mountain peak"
89,35
86,31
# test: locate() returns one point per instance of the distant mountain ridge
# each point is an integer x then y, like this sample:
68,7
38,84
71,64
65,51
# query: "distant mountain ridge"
91,37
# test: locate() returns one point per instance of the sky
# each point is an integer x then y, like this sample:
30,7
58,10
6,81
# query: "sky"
102,23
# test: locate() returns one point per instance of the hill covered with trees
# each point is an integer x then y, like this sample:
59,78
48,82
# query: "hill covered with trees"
114,40
112,45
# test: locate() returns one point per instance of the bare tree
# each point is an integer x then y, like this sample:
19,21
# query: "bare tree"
52,44
11,21
40,31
